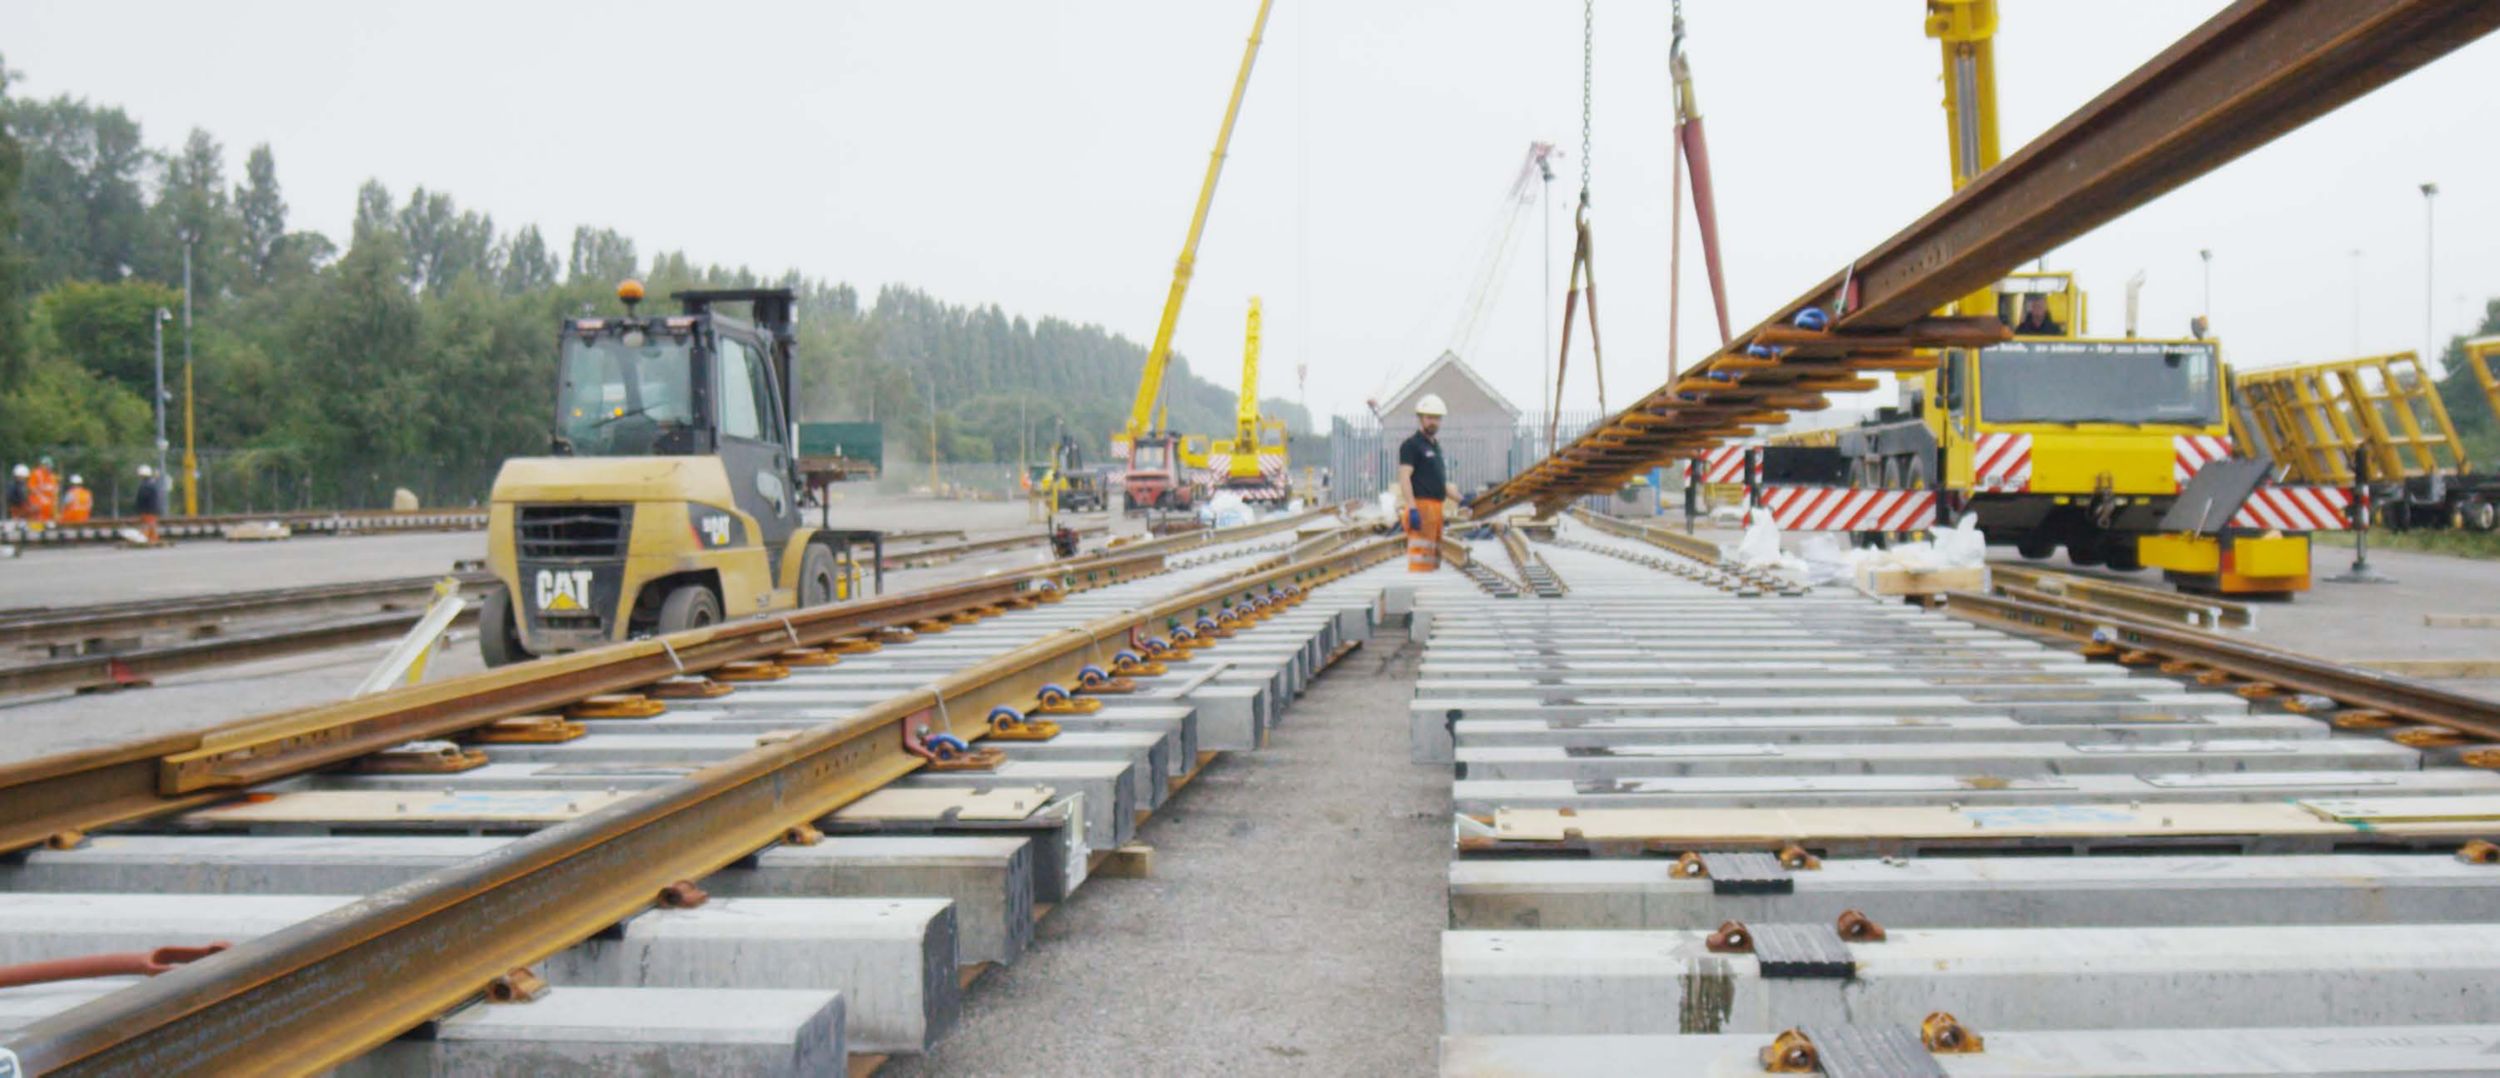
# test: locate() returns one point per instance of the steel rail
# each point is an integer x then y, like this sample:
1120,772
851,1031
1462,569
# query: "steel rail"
314,521
50,625
79,792
1691,546
112,669
320,993
2258,69
2194,610
2352,686
65,795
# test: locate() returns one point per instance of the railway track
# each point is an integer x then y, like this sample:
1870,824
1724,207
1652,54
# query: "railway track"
306,522
643,824
127,645
1705,832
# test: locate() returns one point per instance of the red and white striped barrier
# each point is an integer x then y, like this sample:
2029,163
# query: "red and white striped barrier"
1724,465
1844,509
2296,508
2190,453
2001,463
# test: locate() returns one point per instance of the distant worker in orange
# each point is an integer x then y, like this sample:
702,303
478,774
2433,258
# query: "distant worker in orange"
1423,486
151,503
43,493
78,504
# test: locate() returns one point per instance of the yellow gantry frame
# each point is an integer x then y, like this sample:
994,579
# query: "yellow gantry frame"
1141,413
2314,416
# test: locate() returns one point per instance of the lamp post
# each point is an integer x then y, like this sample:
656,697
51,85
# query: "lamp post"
2430,347
190,456
162,316
1545,298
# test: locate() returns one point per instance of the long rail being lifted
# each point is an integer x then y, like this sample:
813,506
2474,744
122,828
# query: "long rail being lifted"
319,993
2244,77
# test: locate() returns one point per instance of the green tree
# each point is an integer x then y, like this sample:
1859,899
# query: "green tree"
13,266
600,255
82,210
357,372
2468,406
262,210
526,264
109,329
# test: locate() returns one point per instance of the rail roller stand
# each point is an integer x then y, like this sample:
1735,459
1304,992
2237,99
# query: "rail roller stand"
2364,509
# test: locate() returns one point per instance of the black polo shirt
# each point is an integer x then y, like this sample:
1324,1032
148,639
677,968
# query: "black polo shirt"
1424,455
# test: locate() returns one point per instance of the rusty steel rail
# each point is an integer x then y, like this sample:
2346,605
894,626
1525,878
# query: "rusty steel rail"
1691,546
320,993
2123,598
2351,686
301,522
2246,76
139,666
192,613
78,792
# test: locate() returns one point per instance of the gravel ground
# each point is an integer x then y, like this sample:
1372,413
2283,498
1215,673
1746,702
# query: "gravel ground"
1292,925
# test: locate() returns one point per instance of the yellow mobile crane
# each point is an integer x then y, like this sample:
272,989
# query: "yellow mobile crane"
2054,438
1157,474
1252,463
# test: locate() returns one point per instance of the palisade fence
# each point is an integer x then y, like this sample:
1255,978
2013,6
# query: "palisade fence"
1362,458
274,480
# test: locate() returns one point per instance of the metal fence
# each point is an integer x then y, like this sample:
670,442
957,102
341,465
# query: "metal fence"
269,480
1362,457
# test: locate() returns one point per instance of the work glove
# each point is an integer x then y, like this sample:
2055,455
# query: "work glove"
1414,520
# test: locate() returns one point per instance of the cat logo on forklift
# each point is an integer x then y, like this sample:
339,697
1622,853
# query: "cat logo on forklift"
563,589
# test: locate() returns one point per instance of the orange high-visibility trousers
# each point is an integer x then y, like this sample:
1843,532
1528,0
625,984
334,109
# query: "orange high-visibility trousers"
1423,545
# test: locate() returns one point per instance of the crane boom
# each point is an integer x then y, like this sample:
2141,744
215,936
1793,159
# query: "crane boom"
1246,417
1158,357
1967,30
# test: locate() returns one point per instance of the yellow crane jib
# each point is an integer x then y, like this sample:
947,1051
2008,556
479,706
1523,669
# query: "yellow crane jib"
1246,416
1158,357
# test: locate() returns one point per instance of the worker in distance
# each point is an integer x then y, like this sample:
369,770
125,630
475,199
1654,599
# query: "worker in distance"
1423,486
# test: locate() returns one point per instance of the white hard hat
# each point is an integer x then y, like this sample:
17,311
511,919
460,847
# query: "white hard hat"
78,480
145,471
1431,405
20,471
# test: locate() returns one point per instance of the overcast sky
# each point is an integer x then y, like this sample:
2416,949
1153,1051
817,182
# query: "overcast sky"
1044,155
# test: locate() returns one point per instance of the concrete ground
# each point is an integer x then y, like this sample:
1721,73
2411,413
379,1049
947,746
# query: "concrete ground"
41,726
1292,925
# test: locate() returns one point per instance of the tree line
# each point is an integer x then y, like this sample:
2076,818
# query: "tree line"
420,352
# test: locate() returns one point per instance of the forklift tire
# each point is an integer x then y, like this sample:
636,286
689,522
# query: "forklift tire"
689,606
817,576
498,636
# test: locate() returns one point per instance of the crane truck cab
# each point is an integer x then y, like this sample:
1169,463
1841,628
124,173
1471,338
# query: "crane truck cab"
671,496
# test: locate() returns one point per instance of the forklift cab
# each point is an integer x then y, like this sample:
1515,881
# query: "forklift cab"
671,498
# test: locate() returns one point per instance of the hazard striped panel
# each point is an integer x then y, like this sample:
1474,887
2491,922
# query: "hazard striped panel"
2296,507
2190,453
1724,464
1843,509
2001,463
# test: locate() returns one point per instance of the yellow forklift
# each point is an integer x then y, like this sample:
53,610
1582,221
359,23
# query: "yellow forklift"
672,495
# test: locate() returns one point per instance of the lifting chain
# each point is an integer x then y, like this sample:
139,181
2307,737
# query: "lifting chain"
1588,76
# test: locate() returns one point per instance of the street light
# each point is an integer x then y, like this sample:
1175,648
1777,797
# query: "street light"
190,457
162,316
2430,192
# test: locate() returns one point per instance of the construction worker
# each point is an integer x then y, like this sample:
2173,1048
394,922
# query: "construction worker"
151,503
20,499
78,504
43,493
1423,486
